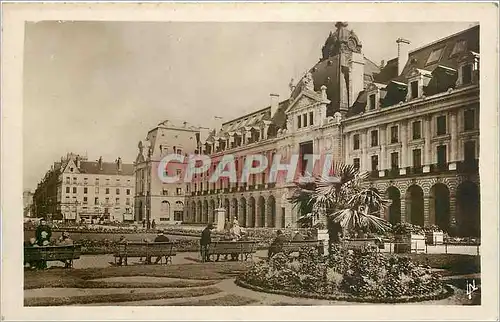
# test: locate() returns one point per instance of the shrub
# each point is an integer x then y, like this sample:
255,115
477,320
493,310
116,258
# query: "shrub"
407,228
360,272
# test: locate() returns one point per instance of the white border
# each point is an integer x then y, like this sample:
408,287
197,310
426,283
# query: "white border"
14,16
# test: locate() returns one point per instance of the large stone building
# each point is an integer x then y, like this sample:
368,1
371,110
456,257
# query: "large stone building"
413,123
154,199
75,189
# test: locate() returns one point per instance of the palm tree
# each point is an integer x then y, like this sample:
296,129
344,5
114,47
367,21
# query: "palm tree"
345,201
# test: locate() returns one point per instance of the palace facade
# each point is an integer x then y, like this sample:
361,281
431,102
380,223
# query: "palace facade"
412,122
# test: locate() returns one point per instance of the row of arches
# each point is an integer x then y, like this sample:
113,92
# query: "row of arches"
459,212
250,212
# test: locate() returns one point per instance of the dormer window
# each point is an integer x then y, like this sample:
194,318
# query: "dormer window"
466,74
372,102
434,56
414,89
460,47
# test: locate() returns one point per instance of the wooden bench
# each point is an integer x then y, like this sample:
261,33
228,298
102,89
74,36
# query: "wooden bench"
52,253
148,250
295,246
245,249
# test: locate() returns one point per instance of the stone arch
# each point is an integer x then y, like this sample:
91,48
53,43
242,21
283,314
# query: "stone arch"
261,212
251,217
198,212
468,209
192,215
205,211
439,206
234,209
394,209
227,206
271,212
211,211
165,209
242,218
415,205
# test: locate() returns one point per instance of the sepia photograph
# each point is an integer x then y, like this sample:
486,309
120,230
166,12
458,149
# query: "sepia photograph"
223,163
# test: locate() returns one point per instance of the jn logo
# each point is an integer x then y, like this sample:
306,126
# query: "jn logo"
471,288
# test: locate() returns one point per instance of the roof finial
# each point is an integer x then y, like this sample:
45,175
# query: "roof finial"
341,24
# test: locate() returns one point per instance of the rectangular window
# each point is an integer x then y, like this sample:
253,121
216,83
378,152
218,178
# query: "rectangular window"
466,74
374,162
96,201
441,125
107,191
178,191
74,189
178,172
356,163
311,118
372,102
394,134
96,189
441,155
374,137
469,151
67,189
469,120
414,89
84,199
97,181
117,201
187,188
127,202
85,190
165,192
356,141
128,192
304,119
299,119
394,160
74,180
417,158
117,191
417,130
106,200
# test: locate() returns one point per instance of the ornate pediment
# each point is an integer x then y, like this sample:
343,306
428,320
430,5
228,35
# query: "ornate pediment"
305,99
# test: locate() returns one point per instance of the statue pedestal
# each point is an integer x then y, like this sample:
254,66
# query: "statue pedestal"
220,218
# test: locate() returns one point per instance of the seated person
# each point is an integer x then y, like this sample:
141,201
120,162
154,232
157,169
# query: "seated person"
65,240
277,244
161,238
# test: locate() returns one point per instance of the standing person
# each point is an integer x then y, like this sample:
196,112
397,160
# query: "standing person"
43,227
144,223
205,241
277,244
153,224
121,244
161,238
235,221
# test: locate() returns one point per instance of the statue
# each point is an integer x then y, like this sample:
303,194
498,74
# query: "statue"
291,85
338,117
307,81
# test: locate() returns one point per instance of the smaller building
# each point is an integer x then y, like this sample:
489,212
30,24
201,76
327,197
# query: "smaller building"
76,189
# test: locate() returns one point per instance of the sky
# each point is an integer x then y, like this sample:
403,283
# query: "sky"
97,88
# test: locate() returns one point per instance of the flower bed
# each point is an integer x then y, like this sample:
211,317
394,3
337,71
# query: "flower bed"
346,274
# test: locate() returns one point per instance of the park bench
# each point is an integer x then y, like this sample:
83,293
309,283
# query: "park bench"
147,250
245,249
295,246
52,253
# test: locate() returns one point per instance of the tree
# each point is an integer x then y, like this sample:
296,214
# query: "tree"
346,201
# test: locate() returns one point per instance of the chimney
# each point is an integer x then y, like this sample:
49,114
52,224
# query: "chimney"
77,161
275,103
382,64
119,164
402,53
100,163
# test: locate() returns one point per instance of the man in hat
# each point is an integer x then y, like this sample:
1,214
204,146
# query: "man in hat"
161,238
205,241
